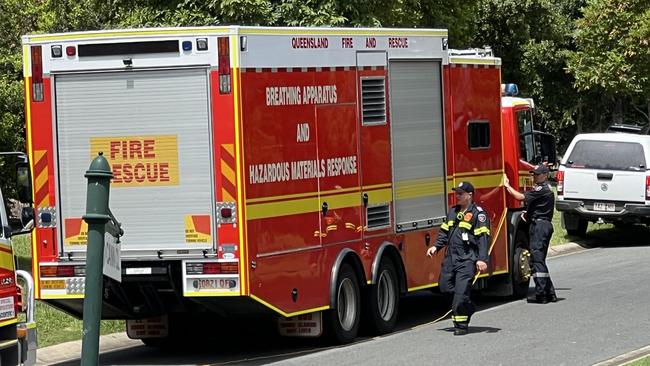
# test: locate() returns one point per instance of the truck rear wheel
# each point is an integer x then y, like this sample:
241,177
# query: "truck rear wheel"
343,322
382,302
520,265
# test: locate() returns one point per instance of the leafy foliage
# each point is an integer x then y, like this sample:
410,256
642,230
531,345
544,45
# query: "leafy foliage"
585,62
613,55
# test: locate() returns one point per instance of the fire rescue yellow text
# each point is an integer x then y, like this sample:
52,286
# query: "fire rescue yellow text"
140,160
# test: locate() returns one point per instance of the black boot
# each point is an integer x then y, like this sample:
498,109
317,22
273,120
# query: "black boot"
539,300
460,331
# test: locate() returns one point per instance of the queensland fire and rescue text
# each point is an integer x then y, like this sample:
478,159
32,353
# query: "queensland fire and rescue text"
296,95
302,169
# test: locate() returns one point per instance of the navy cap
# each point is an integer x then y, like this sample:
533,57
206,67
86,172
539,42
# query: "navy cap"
464,187
540,169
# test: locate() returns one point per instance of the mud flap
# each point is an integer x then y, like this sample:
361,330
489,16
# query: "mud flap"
156,327
305,325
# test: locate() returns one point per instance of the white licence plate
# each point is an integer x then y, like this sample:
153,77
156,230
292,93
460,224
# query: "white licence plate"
214,284
600,206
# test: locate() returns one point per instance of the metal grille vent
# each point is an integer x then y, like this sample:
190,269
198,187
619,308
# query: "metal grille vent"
373,93
378,216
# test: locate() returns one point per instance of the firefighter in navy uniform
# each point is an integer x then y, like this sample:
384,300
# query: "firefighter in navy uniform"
540,203
466,234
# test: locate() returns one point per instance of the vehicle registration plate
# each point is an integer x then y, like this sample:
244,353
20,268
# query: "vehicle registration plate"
600,206
213,284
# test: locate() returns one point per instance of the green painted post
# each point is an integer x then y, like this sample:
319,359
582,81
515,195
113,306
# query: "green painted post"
99,176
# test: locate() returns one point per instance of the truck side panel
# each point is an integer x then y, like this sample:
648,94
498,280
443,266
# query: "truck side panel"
475,119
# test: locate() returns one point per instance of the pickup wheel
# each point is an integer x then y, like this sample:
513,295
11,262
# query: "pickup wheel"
574,224
580,230
382,300
343,322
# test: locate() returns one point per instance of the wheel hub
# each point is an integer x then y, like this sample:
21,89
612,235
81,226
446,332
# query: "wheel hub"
523,265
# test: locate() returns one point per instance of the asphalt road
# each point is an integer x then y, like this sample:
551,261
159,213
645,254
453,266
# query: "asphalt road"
603,312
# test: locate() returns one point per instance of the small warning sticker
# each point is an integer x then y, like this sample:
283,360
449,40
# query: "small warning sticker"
76,231
197,229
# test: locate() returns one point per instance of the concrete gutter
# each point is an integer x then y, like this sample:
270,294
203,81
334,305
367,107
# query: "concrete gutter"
70,351
562,249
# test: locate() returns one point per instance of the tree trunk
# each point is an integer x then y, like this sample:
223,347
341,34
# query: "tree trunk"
579,119
617,117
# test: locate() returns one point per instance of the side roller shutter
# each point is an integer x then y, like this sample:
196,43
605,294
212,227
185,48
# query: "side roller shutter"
417,143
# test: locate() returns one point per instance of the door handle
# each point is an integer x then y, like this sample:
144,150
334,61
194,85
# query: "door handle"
605,176
365,200
324,208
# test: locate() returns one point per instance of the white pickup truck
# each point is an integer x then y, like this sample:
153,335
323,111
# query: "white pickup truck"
604,176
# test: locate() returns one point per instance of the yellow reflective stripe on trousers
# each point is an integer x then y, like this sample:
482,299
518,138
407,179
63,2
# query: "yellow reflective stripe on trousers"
459,318
465,225
482,230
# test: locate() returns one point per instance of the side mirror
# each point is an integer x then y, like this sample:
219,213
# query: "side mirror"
547,147
21,218
24,182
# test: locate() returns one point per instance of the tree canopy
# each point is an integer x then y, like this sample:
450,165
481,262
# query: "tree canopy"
585,62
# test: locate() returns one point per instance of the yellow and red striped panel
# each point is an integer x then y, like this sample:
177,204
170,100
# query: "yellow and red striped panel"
228,177
41,174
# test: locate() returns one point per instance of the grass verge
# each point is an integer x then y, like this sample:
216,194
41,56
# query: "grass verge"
645,361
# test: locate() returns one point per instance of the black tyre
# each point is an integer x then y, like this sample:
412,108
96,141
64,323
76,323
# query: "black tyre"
9,356
161,342
520,273
381,304
342,323
580,230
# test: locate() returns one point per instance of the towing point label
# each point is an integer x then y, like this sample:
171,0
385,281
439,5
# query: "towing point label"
140,160
197,229
76,231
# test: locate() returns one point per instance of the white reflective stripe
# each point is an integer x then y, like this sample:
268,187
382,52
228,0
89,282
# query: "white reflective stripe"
541,274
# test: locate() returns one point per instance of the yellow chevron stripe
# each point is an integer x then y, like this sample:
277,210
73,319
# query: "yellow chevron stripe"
226,196
38,155
416,188
230,148
228,172
41,180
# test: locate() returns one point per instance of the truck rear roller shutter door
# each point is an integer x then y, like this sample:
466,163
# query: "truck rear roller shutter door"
154,128
417,143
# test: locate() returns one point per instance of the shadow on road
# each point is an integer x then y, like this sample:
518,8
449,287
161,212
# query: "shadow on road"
256,343
473,329
608,236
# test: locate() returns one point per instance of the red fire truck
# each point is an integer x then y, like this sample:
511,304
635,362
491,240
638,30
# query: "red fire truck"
299,172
